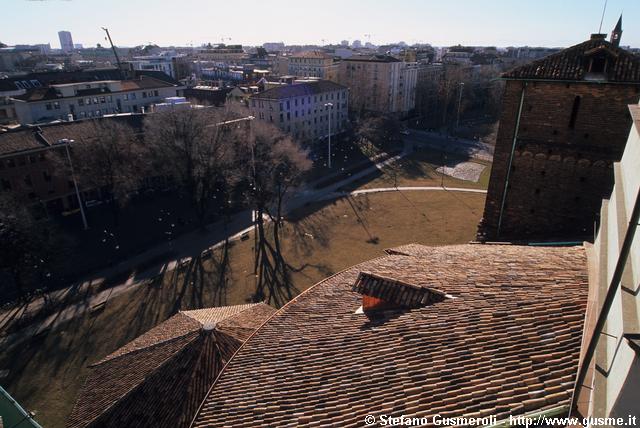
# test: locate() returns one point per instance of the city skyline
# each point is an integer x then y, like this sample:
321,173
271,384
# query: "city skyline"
502,23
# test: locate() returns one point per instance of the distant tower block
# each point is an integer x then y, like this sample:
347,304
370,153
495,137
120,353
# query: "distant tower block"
66,42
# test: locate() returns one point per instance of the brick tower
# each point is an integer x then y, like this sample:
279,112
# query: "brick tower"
564,121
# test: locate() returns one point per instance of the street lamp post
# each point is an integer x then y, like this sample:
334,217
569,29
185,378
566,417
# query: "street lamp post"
66,143
459,102
330,105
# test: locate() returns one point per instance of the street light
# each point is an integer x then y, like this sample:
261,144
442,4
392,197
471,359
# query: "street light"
66,143
459,102
329,147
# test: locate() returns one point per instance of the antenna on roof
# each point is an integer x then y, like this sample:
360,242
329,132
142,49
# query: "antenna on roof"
106,30
604,9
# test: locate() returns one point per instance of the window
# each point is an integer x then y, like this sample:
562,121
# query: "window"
144,95
95,100
288,105
133,96
56,105
574,112
27,180
103,100
46,176
126,97
155,93
48,106
598,64
110,99
6,184
87,101
81,102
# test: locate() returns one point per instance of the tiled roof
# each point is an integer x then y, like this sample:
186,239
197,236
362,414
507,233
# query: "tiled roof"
507,343
38,137
299,90
573,64
43,79
373,58
48,93
160,378
311,54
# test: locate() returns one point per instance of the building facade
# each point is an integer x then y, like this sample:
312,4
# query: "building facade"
379,83
611,375
307,110
564,122
312,64
81,100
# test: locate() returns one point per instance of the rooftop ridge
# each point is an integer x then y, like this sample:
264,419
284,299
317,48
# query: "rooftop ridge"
143,381
112,357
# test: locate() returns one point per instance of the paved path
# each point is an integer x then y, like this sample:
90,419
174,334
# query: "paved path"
472,148
177,251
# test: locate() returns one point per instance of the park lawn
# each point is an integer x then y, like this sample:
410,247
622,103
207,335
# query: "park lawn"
419,169
47,372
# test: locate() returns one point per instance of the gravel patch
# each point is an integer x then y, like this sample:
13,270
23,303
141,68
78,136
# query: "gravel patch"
468,171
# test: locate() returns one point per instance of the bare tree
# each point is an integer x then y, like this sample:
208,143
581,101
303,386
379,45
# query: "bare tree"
28,251
376,133
273,163
109,159
195,148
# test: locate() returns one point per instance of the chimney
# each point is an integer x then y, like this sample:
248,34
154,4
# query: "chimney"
598,36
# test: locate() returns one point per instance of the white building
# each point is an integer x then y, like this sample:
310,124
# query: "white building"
165,62
611,385
66,42
308,110
70,101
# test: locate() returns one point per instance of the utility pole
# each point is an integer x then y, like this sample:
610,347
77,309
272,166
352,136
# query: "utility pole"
66,143
106,30
459,102
330,106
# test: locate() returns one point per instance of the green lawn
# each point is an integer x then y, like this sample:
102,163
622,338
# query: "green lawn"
47,372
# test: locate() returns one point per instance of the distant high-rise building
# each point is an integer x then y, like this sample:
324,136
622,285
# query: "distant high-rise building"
66,42
357,44
344,43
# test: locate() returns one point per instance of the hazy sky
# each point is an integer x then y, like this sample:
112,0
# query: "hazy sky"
250,22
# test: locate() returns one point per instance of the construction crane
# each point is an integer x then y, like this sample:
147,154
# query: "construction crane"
106,30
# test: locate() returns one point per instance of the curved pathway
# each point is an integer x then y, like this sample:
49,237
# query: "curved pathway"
401,189
101,297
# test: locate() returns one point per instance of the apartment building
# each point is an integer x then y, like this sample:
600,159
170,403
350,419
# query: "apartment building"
88,99
313,64
308,110
379,83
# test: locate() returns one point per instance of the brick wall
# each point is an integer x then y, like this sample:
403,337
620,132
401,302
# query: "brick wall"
561,168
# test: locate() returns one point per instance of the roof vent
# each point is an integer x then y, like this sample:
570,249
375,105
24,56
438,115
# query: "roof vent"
598,36
382,293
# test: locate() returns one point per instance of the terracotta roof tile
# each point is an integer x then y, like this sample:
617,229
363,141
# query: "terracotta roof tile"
573,64
160,378
502,345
